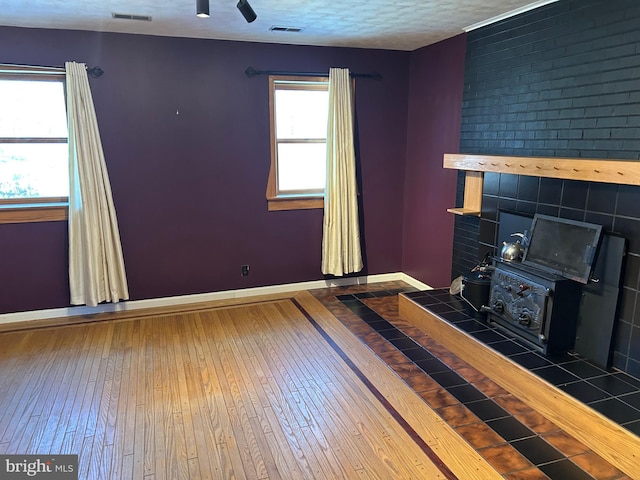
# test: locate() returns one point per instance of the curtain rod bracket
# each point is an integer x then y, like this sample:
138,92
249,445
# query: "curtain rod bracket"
252,72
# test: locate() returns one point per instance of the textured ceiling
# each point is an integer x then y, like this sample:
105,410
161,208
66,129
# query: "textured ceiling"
385,24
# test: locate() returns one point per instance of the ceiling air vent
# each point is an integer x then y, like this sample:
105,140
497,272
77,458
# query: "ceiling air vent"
276,28
127,16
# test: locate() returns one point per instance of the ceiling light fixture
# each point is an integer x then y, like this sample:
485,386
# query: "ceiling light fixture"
246,11
202,8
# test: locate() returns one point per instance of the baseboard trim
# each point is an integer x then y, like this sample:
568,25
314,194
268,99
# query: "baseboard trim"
130,305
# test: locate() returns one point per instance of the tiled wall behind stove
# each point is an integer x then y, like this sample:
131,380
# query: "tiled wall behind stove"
559,81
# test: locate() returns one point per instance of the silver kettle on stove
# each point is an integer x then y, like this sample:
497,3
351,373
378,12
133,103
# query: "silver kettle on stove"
513,251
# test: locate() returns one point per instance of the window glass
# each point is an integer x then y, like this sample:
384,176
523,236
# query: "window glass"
32,109
301,167
301,114
34,170
33,139
299,111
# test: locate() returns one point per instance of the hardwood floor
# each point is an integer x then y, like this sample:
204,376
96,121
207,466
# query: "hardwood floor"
274,388
331,383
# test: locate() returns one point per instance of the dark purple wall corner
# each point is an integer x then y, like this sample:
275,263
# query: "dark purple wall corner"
435,104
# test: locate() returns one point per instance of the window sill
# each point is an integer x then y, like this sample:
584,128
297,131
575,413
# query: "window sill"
33,212
294,203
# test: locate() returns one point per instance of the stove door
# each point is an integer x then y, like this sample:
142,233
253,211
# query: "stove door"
519,304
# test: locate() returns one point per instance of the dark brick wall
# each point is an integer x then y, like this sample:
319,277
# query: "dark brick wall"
560,81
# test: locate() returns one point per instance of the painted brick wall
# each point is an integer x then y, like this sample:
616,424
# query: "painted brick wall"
559,81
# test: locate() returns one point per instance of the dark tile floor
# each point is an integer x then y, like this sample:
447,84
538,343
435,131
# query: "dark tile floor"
614,394
518,441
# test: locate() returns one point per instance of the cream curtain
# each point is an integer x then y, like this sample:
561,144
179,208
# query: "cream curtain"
341,231
96,265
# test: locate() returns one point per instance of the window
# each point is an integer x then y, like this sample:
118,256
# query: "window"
34,178
299,110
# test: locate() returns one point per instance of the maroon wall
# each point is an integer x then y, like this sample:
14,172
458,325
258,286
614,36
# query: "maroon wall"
189,188
435,103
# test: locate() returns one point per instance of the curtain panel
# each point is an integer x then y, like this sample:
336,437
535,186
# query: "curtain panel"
341,253
96,263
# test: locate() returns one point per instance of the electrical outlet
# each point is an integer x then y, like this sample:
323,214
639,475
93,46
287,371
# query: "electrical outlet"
244,270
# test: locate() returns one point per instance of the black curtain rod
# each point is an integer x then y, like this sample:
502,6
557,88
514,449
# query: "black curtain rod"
252,72
94,72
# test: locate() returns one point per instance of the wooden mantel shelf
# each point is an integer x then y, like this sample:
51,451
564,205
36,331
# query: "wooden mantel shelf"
625,172
622,172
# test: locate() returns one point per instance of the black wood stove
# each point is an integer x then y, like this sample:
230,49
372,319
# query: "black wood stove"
538,299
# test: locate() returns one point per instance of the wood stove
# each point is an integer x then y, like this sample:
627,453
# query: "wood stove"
538,299
540,308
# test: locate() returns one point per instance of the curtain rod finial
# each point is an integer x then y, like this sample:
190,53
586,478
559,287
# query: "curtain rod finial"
251,72
95,72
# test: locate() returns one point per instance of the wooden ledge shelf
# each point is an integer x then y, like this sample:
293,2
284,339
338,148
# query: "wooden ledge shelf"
611,441
621,172
464,211
472,194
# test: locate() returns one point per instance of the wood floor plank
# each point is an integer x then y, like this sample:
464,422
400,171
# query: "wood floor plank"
13,365
28,385
89,467
104,463
73,396
160,406
141,441
291,459
257,378
231,448
49,404
127,471
118,381
239,405
207,464
183,362
327,426
275,387
147,389
211,383
125,435
178,466
78,421
285,401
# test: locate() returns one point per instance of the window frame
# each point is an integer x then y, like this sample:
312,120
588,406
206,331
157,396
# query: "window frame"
33,209
293,201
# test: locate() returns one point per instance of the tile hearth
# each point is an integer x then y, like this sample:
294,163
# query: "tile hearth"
615,394
514,438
